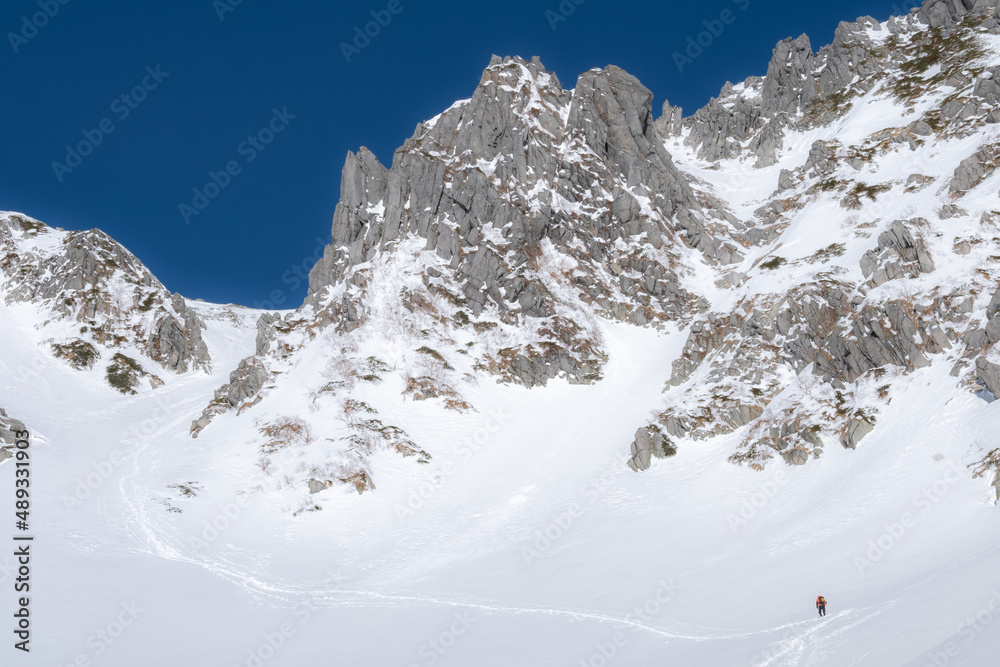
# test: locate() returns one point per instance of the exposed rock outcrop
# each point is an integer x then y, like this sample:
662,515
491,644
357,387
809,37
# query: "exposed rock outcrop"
244,385
975,168
649,442
898,254
89,278
8,430
499,184
988,373
855,431
946,13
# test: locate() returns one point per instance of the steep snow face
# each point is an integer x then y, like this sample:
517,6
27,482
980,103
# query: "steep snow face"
433,460
524,539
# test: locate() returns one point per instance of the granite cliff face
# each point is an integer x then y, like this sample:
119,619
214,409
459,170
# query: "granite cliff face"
534,208
804,89
522,170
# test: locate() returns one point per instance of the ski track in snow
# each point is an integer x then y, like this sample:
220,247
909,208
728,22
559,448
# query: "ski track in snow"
143,527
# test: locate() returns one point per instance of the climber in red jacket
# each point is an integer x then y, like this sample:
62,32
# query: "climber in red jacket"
821,605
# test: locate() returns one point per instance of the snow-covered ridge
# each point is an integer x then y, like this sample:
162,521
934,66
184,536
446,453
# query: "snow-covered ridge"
96,300
526,214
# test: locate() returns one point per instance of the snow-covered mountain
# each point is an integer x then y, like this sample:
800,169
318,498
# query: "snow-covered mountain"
629,389
99,293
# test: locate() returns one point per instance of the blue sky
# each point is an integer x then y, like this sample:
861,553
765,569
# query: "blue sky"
266,97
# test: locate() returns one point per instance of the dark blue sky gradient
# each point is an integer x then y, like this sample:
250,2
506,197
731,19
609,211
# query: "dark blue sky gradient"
226,77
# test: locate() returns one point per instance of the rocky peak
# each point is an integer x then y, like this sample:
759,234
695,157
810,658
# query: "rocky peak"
508,224
790,82
88,278
803,89
521,163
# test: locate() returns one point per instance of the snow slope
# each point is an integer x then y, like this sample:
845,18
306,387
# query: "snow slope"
450,564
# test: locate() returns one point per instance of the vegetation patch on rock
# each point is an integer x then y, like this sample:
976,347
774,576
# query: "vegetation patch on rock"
80,354
124,374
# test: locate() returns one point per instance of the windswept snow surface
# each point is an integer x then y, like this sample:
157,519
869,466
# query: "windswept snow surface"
525,541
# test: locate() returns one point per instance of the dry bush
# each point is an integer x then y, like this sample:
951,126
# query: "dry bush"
755,457
342,371
458,405
425,387
349,471
284,432
354,411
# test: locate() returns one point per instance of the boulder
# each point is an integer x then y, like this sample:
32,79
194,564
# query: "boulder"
988,374
649,442
972,170
994,307
244,383
993,329
855,431
949,211
786,180
796,456
8,426
315,486
897,242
